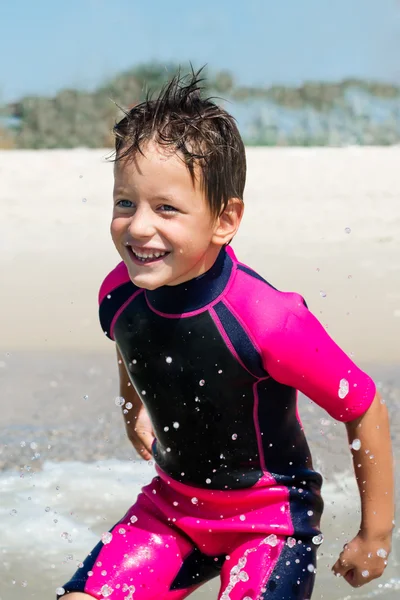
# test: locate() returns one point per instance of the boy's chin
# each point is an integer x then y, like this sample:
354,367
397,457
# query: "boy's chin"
147,283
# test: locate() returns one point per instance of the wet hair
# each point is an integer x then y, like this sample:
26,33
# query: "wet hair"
195,128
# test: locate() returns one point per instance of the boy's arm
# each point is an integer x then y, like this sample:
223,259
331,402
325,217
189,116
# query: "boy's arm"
363,559
137,421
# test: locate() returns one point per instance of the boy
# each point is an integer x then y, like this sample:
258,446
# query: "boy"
211,357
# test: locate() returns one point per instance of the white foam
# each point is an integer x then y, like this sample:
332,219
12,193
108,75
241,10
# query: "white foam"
90,498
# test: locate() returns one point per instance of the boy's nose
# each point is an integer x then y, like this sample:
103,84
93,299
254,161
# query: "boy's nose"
141,225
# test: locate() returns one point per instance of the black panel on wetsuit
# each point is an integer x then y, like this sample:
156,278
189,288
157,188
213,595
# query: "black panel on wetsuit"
198,387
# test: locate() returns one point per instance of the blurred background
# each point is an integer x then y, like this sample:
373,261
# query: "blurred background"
315,88
306,74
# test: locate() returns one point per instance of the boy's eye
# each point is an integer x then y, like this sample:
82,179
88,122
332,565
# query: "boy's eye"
125,203
168,208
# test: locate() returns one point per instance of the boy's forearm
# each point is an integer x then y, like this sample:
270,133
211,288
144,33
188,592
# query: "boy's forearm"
373,466
128,392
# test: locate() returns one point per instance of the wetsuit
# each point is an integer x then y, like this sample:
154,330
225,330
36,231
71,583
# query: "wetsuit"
217,361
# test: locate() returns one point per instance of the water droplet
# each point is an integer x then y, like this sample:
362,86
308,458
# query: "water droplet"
243,576
201,382
24,583
343,388
271,540
234,436
176,425
13,512
242,517
128,405
106,537
356,444
47,509
106,591
84,199
133,519
365,573
60,591
144,392
195,500
310,513
33,445
208,480
23,444
166,428
86,397
310,568
168,449
322,294
291,542
219,372
347,229
318,539
382,553
168,360
119,401
175,503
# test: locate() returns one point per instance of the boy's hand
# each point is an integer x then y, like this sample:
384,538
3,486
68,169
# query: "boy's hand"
363,559
140,432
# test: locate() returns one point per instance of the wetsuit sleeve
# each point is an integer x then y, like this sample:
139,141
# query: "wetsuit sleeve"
114,291
302,355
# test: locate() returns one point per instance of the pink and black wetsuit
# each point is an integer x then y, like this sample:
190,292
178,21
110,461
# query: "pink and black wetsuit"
218,361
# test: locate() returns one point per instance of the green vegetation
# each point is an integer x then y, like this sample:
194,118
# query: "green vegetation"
313,114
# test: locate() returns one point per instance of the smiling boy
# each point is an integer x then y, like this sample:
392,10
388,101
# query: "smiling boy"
211,358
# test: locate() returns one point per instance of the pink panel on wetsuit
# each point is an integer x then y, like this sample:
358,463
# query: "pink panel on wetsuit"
296,349
221,512
115,278
130,563
143,556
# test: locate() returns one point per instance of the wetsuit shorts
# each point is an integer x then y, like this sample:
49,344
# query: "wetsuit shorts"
177,537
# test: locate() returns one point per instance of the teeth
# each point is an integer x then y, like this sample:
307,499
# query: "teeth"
144,256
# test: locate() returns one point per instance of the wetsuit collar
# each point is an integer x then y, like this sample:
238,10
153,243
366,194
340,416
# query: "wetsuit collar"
196,293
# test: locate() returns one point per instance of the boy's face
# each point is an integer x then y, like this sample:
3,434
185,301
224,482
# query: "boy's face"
162,226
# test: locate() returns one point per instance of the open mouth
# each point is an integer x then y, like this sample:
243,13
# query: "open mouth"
150,256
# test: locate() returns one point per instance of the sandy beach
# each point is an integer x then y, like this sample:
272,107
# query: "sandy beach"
322,222
56,248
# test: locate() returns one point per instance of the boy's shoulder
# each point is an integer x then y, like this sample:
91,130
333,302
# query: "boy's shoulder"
115,292
116,278
252,293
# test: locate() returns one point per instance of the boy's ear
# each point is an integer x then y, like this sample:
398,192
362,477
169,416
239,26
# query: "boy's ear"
227,224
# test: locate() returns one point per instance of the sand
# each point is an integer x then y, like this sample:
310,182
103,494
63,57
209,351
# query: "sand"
56,248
